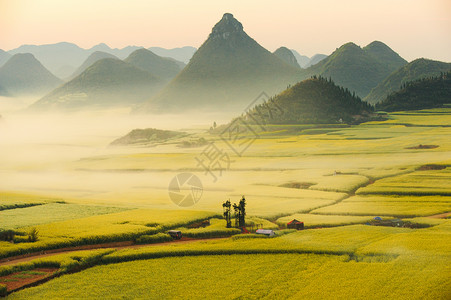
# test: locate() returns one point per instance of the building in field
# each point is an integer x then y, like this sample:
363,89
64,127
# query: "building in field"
266,232
378,221
175,234
295,224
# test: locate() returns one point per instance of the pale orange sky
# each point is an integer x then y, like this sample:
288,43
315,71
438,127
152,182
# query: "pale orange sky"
413,28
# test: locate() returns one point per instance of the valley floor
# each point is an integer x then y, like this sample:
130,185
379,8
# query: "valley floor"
335,179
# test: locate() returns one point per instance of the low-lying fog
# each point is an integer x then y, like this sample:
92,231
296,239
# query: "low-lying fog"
35,149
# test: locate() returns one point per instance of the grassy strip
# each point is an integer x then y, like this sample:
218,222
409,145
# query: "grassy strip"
154,238
19,205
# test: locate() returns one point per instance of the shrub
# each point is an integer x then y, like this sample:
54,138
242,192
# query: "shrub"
154,238
3,290
33,235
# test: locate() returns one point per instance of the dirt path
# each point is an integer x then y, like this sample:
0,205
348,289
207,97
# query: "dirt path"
440,216
23,279
117,245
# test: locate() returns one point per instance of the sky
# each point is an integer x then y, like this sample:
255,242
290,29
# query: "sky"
413,28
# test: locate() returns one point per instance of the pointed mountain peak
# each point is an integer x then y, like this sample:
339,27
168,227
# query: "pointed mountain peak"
226,26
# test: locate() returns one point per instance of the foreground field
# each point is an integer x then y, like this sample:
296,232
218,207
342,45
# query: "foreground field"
287,276
338,177
348,262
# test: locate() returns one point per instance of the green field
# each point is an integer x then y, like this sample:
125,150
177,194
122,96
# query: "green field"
339,260
333,179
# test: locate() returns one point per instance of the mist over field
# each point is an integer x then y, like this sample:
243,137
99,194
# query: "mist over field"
225,170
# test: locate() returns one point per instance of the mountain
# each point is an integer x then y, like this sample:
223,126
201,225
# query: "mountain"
54,56
94,57
423,93
120,53
108,82
23,74
3,91
146,60
313,101
301,59
227,72
384,55
4,56
65,71
315,59
287,56
182,54
357,69
414,70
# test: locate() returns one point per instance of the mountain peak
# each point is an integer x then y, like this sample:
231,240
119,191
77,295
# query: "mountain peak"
226,26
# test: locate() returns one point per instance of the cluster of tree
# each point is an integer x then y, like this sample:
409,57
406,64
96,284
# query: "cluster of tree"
317,100
239,213
428,92
9,235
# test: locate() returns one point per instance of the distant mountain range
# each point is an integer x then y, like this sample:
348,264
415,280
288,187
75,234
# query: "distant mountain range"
94,57
4,56
414,70
227,72
287,56
359,69
423,93
108,82
305,61
182,54
62,59
165,68
23,74
313,101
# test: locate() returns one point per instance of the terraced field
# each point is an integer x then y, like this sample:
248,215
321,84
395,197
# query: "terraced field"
335,180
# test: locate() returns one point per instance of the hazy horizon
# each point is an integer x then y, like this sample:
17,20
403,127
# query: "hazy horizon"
414,29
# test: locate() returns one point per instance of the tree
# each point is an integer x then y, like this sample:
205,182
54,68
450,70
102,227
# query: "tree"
214,124
33,235
237,215
240,213
242,208
227,214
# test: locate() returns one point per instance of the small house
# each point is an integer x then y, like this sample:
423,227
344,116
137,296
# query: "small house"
396,223
175,234
387,222
295,224
266,232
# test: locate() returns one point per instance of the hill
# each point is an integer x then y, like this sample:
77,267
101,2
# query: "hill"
4,56
63,58
384,55
227,72
108,82
315,59
116,52
287,56
420,94
55,56
182,54
94,57
23,74
419,68
358,69
312,101
301,59
146,136
146,60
